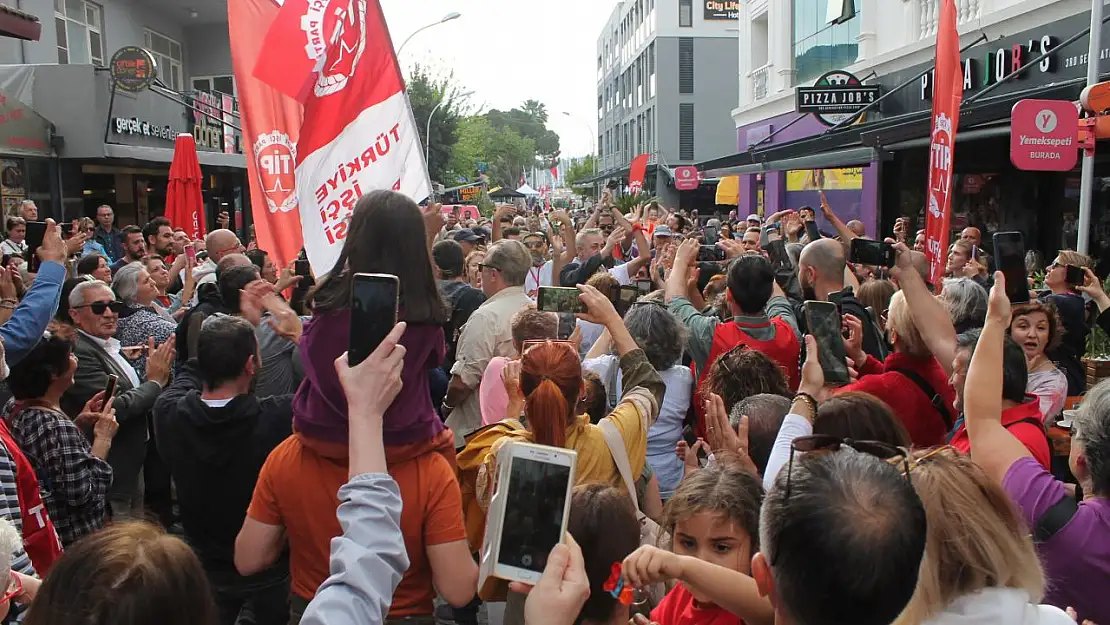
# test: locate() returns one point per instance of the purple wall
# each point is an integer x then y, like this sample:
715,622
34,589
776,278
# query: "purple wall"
848,205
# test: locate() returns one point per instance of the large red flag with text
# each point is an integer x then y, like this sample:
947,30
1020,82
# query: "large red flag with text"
636,172
948,93
356,132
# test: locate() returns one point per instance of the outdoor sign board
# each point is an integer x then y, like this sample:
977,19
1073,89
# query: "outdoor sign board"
721,10
1044,135
686,178
133,69
836,96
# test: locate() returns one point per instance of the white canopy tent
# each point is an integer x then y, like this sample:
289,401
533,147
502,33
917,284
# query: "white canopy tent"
527,190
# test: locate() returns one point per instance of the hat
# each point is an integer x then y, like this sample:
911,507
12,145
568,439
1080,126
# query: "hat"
465,234
753,217
663,231
448,256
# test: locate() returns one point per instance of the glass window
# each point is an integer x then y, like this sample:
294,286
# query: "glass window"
77,26
686,13
168,54
819,46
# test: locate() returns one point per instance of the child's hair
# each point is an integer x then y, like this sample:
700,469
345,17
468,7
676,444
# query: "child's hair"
725,487
596,400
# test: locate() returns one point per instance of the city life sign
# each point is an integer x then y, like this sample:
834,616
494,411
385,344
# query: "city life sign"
133,69
836,96
1044,135
721,10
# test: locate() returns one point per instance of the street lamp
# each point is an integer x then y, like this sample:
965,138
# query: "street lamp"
590,130
453,15
428,128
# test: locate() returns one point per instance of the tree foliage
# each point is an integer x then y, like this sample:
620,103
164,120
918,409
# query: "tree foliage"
425,92
580,169
504,150
529,121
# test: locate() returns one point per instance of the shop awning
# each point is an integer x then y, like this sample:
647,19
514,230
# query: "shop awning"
165,155
848,157
728,191
20,25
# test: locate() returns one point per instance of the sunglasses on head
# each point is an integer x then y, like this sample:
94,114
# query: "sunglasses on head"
98,308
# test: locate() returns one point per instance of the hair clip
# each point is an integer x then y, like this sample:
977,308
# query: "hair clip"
615,585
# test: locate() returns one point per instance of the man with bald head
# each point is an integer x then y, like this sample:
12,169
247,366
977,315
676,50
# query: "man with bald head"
857,228
973,237
219,244
821,274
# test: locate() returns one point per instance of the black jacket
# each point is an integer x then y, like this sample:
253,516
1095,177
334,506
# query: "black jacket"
846,302
463,300
215,456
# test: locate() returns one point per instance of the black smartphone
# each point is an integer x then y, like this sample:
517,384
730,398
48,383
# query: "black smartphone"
1075,276
109,392
710,254
868,252
823,320
975,253
567,323
36,232
560,299
812,231
301,268
643,287
711,234
623,298
1009,257
373,313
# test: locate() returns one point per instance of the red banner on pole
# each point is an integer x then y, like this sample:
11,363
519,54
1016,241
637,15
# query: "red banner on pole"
948,93
636,173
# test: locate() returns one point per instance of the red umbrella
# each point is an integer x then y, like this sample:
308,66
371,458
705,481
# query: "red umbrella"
184,204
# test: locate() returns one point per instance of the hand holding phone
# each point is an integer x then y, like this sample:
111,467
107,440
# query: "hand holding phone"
109,393
374,303
1075,275
190,255
825,325
560,299
710,254
876,253
1009,251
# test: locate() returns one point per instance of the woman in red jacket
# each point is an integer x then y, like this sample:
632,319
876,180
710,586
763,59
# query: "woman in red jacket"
910,381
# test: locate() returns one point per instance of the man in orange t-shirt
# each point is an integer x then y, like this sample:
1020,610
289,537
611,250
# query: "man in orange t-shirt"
296,494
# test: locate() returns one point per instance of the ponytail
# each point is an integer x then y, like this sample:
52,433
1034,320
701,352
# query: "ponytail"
547,411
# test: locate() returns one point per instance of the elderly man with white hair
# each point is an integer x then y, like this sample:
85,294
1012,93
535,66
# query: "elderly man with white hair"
95,311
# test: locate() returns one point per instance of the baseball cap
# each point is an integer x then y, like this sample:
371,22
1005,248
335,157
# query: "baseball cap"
465,234
663,231
754,217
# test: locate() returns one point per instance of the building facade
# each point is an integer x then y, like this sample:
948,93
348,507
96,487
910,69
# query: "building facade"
104,145
666,81
876,169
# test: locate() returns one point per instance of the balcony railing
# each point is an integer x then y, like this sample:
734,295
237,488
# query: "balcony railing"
759,78
929,15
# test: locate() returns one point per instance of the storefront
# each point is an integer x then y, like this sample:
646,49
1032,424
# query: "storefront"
892,146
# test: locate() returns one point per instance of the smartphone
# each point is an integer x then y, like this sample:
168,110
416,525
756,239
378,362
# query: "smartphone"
710,254
528,511
71,268
36,232
711,234
373,313
811,231
1009,253
975,253
1075,275
560,299
868,252
643,287
567,323
109,392
623,298
823,320
191,254
301,268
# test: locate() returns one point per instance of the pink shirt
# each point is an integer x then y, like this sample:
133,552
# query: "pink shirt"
491,392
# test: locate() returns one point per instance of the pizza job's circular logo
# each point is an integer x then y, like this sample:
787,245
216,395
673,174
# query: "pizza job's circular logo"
275,160
336,38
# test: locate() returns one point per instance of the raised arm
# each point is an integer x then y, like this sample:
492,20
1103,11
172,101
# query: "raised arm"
502,211
993,447
929,315
846,235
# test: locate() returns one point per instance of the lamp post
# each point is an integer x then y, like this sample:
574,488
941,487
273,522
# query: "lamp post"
428,128
590,130
454,15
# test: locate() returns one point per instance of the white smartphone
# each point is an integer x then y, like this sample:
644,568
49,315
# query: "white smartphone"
528,512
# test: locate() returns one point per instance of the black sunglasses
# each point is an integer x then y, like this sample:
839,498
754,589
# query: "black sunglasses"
825,442
98,308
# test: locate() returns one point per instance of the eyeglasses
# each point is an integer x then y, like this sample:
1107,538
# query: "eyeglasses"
484,266
826,443
15,588
534,245
98,308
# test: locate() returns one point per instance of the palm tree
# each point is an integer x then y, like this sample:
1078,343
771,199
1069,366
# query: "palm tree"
536,109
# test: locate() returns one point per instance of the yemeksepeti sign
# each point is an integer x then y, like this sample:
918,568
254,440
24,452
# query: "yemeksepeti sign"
836,96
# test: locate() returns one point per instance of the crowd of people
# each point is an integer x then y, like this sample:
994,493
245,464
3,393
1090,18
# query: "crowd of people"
186,442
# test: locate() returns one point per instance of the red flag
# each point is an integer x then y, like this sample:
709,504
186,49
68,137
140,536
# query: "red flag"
336,58
636,173
555,171
948,92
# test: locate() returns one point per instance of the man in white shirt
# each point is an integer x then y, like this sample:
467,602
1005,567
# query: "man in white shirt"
487,333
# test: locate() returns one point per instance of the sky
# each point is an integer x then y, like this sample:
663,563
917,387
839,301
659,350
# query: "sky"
510,51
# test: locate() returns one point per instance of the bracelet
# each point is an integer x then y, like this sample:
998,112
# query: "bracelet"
808,399
7,306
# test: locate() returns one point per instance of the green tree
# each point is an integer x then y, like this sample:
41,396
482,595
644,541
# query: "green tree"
503,149
581,169
425,92
530,121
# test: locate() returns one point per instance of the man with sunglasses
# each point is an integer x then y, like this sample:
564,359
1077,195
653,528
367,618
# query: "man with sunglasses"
95,311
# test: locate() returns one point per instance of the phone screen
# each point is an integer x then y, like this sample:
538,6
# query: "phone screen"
36,232
534,506
110,391
824,323
560,299
867,252
373,313
191,254
300,268
1009,252
1075,275
623,299
710,253
644,287
567,323
812,231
